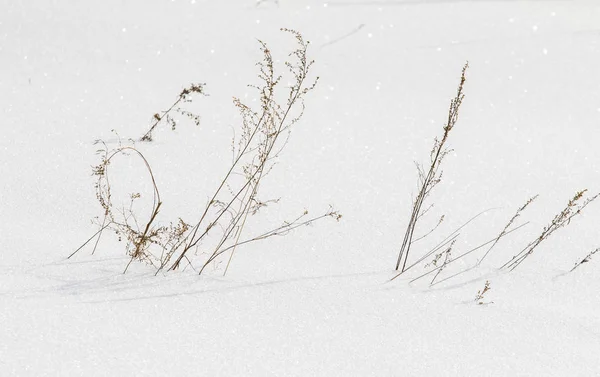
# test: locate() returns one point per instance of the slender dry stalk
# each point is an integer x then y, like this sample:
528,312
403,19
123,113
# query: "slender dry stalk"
99,232
505,231
481,293
429,180
237,242
508,225
282,230
586,259
430,230
562,219
447,255
460,256
166,117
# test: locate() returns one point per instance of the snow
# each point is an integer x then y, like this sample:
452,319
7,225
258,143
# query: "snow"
317,301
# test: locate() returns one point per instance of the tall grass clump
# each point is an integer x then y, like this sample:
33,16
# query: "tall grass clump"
429,179
219,227
446,253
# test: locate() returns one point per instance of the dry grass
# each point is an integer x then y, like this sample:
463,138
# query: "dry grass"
562,219
430,179
166,116
586,259
447,252
264,133
480,297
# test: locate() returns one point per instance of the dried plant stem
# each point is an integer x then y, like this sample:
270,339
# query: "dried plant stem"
246,212
508,225
481,293
237,242
433,176
451,237
104,226
99,232
430,230
279,231
184,96
195,239
447,260
464,254
139,241
562,219
157,119
586,259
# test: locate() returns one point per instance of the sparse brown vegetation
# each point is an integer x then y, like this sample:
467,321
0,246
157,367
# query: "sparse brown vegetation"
480,297
446,253
562,219
166,116
586,259
430,179
265,131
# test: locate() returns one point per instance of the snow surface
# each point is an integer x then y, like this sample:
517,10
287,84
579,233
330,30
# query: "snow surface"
318,301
